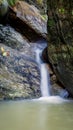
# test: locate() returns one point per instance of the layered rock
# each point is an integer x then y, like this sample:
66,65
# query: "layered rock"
31,15
60,46
19,73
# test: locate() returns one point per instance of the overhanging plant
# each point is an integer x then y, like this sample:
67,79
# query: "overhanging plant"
12,2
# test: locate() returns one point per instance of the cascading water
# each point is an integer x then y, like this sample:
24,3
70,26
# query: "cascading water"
45,82
45,78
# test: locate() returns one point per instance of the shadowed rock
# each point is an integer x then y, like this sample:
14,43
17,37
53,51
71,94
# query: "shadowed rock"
60,46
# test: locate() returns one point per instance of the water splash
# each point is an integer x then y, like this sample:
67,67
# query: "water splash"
53,99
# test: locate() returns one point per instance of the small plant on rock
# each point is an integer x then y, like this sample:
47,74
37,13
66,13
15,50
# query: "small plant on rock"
12,2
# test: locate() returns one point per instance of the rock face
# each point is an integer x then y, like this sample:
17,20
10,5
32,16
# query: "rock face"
19,72
60,46
40,4
31,16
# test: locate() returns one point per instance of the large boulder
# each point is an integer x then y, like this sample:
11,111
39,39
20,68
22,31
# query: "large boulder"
29,15
60,36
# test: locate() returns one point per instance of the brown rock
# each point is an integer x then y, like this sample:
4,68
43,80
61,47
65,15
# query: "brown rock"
31,16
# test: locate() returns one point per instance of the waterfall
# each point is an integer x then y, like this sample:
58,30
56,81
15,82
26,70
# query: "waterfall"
45,82
45,78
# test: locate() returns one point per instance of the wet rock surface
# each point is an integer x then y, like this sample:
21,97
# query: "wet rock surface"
19,72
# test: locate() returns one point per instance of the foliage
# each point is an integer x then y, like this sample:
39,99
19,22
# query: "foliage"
61,10
1,1
12,2
44,17
51,22
39,1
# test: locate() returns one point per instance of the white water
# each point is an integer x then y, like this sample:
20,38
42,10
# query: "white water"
45,82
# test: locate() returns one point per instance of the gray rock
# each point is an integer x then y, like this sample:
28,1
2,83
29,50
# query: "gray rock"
19,74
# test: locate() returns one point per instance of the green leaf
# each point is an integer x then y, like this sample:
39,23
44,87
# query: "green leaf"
61,10
12,2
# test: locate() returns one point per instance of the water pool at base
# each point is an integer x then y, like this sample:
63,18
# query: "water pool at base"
36,115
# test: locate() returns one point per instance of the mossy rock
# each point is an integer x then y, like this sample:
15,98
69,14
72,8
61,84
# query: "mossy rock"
60,46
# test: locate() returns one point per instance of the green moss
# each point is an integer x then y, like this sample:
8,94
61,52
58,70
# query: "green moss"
51,22
12,2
